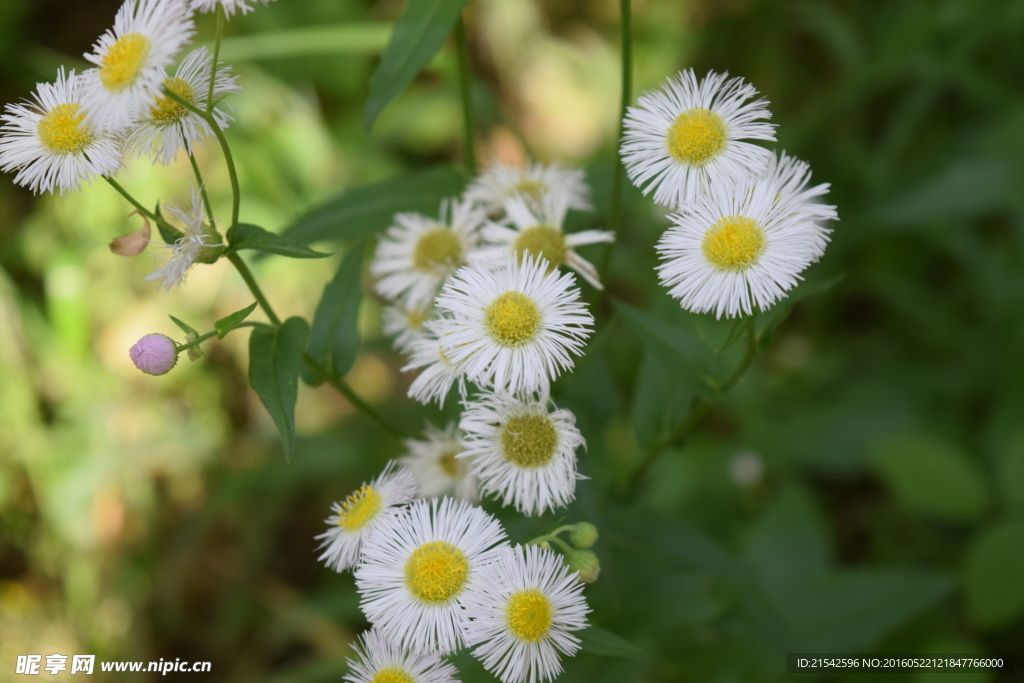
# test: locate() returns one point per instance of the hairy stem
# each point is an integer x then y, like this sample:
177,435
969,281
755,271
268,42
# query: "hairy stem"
615,202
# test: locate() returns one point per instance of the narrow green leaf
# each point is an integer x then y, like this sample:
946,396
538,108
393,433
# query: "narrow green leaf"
169,235
365,210
230,322
597,641
246,236
334,340
992,578
419,33
275,355
931,476
659,404
184,326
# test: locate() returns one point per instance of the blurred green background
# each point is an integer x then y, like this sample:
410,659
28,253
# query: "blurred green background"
862,490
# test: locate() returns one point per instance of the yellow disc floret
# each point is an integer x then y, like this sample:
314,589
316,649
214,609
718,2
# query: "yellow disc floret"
392,674
437,249
166,111
359,508
529,440
733,243
448,463
528,615
696,136
512,319
436,572
124,61
530,190
543,241
62,129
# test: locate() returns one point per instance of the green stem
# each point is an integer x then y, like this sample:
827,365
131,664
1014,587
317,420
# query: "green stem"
140,208
349,393
699,409
468,146
216,57
200,339
615,202
253,286
236,197
199,180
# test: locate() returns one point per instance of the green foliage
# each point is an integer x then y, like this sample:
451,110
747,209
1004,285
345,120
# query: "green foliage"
275,357
992,575
246,236
334,340
419,33
931,476
230,322
598,641
185,327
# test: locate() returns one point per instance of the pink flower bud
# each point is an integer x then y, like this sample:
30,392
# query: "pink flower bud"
154,354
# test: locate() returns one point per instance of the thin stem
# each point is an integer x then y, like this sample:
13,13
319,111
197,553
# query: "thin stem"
200,339
468,145
140,208
216,57
236,196
345,390
615,202
253,286
699,409
199,180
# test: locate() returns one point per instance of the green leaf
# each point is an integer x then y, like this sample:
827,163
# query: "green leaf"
992,577
768,320
418,35
597,641
334,340
931,476
167,233
228,323
365,210
659,404
184,326
683,353
246,236
275,355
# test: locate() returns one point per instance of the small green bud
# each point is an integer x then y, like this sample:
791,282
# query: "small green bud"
583,535
586,563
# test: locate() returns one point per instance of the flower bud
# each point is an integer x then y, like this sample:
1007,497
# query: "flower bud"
586,563
583,535
154,354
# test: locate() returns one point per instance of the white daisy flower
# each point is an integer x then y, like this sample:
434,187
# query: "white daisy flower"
417,566
229,5
199,242
743,245
523,453
437,470
131,59
538,231
438,374
521,614
499,183
793,176
514,328
383,661
167,126
688,136
49,142
405,325
362,513
417,254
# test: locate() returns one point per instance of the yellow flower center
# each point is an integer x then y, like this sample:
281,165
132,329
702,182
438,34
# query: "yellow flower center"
124,61
733,243
528,614
512,319
436,572
166,111
696,136
448,463
529,440
530,190
61,130
416,319
392,674
543,241
437,249
359,508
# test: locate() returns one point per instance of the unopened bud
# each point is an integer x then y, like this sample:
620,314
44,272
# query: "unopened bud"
586,563
583,535
154,354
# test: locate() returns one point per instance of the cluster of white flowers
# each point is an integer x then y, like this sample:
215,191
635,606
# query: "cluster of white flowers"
438,574
478,299
82,125
746,221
